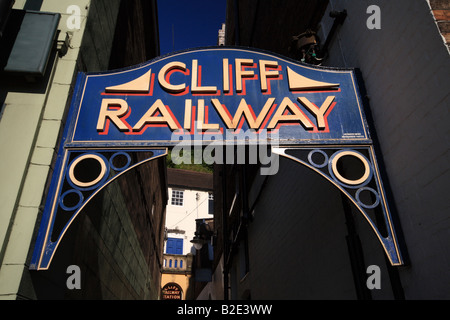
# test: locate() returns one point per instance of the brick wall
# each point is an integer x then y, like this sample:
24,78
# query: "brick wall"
28,161
123,239
441,12
99,36
116,240
127,26
136,42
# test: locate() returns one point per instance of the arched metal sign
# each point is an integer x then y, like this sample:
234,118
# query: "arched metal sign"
171,291
220,96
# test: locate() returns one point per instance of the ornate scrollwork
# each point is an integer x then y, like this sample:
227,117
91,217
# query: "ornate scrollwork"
367,181
82,175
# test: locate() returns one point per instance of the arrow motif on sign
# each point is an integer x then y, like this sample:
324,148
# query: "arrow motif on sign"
139,85
299,82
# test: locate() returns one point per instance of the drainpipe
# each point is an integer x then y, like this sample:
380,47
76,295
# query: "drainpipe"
339,18
224,227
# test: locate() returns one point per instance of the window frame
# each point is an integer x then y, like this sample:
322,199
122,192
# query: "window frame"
174,246
176,196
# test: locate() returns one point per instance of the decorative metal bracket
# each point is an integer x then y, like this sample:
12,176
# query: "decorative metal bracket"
324,160
99,140
82,174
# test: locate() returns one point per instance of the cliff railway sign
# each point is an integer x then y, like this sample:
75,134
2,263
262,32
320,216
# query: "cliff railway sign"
216,90
171,291
312,115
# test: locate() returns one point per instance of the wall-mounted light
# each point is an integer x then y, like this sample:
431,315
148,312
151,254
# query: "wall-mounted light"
202,235
197,242
306,48
339,18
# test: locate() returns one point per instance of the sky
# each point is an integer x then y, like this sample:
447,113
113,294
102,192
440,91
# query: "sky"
185,24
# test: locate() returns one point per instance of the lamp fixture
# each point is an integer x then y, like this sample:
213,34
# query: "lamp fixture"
306,48
202,235
197,242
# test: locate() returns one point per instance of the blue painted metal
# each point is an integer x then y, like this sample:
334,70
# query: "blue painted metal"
58,216
346,121
345,125
384,230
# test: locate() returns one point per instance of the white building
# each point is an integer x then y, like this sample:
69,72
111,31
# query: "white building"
221,36
190,198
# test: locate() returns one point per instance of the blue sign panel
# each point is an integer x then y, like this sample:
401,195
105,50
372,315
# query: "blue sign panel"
122,119
218,91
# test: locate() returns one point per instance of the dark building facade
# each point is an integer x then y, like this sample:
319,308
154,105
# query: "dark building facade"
113,249
292,235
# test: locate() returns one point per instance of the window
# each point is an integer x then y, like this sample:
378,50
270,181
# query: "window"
174,246
177,198
210,203
243,257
